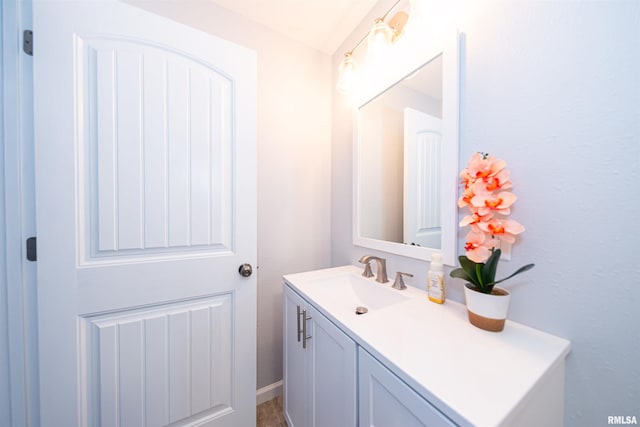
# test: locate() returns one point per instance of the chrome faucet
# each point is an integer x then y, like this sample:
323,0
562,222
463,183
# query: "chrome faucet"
381,268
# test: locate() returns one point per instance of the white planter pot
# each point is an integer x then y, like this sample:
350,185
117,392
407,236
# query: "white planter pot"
487,311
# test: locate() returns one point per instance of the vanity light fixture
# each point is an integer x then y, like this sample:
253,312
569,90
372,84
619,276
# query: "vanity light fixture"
381,36
378,40
346,73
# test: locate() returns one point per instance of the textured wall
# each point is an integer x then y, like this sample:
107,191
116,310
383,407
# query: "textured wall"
554,89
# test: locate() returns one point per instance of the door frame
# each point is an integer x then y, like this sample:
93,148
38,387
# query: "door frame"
17,217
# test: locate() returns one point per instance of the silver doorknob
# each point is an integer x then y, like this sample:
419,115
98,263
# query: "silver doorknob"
245,270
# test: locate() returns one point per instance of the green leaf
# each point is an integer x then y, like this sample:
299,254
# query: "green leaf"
479,275
482,275
460,274
472,271
467,265
518,271
490,267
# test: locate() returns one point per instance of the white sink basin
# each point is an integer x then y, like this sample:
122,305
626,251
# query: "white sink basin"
347,291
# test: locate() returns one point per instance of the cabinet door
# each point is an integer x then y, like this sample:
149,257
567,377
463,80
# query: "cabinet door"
385,400
319,375
295,363
333,374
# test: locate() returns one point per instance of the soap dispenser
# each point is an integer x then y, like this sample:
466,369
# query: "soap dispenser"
435,279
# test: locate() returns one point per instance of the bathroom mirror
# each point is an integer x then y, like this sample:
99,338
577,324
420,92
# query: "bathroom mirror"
406,158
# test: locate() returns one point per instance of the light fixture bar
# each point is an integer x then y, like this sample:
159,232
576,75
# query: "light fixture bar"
383,17
390,9
357,45
347,69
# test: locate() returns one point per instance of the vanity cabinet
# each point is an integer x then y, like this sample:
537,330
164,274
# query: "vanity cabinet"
319,368
389,367
323,369
385,400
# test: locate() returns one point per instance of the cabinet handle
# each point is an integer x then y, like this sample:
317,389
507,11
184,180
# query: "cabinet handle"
304,328
298,321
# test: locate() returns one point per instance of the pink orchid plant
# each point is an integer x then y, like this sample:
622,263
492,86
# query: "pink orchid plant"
486,181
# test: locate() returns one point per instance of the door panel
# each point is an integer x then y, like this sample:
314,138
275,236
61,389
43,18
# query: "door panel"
423,158
160,365
145,140
158,142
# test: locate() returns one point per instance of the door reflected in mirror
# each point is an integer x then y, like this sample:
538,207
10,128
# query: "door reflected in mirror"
400,150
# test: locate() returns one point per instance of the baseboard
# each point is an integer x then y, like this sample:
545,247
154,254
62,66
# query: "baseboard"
268,392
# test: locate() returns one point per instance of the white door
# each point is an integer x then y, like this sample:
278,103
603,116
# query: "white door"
422,164
146,208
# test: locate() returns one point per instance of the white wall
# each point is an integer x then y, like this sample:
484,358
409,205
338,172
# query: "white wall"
294,104
381,165
554,89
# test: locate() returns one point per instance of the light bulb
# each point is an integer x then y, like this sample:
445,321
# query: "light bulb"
378,40
346,74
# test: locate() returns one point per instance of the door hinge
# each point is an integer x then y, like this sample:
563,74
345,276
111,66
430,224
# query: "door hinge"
27,42
32,252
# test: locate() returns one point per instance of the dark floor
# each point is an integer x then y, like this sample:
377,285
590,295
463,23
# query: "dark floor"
269,414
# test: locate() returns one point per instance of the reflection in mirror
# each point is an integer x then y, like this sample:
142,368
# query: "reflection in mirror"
400,146
406,160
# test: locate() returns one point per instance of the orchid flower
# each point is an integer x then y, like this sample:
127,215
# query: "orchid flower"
485,181
478,247
499,203
473,220
505,229
466,197
499,181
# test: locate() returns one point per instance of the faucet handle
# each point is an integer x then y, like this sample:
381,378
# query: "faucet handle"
367,270
399,282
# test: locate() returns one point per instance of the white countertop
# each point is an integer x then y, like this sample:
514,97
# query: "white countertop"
473,376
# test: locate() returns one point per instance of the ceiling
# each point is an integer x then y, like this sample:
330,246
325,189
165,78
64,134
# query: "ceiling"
321,24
